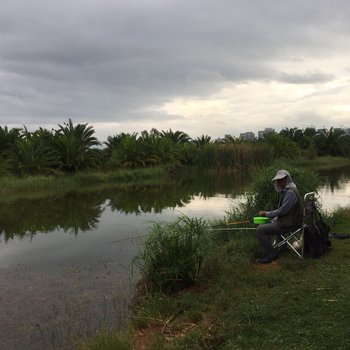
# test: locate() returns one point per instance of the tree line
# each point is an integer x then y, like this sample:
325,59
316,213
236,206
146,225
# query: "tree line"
71,148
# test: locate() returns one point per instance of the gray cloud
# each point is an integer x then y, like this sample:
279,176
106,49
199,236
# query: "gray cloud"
307,78
107,60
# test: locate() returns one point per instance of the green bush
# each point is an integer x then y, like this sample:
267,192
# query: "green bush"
173,254
263,196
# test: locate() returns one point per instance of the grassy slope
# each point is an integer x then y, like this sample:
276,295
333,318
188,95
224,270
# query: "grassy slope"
237,304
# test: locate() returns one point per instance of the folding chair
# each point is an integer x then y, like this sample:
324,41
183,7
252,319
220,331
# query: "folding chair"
295,239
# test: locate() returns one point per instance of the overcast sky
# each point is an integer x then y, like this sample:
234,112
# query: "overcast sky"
210,67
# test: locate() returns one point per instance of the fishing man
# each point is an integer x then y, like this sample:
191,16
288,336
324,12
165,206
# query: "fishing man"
286,218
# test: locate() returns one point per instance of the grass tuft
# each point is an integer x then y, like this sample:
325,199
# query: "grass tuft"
173,254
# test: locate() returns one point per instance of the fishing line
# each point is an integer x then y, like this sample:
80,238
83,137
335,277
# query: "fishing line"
123,239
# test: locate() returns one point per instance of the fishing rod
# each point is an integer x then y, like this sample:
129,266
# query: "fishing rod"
232,229
256,220
238,222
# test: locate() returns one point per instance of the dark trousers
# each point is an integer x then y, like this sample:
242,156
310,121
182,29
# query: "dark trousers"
264,234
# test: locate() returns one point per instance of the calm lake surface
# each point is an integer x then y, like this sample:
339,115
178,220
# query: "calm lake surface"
65,261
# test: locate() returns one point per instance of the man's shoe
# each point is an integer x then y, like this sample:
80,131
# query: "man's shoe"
267,259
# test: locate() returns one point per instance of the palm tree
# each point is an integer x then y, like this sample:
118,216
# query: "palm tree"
230,139
167,152
287,132
114,141
74,145
8,137
178,137
31,156
202,140
282,147
334,142
310,132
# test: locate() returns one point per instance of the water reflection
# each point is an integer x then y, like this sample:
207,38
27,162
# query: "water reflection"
148,199
335,191
72,213
81,211
156,198
335,179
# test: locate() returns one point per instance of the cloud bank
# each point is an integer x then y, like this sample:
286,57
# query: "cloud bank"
203,67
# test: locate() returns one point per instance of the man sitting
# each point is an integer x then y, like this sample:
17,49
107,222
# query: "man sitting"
287,217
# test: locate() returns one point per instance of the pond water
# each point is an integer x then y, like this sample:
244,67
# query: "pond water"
65,261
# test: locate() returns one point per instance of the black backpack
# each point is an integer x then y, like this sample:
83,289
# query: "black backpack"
316,237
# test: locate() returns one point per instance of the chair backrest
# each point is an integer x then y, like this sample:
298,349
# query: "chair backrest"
316,231
310,210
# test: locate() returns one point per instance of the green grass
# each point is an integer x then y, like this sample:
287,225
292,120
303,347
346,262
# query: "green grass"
237,304
293,304
11,187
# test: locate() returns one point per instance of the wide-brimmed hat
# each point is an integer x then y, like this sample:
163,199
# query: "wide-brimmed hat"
281,174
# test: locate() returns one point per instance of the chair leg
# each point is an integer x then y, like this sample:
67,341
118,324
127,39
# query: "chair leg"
300,255
291,237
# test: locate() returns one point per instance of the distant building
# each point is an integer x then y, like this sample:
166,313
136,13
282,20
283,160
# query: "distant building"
347,131
248,136
262,133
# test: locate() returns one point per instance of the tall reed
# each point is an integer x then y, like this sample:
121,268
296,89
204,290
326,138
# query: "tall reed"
234,157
